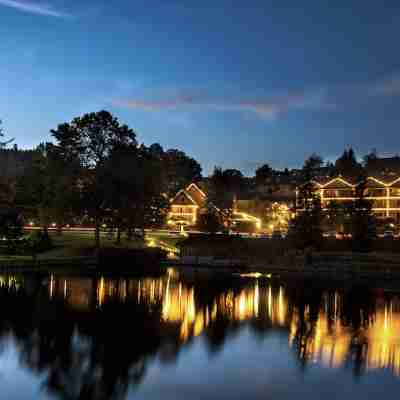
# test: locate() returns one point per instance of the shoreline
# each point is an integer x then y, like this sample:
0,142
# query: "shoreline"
335,266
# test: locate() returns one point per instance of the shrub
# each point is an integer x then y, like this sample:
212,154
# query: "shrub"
38,242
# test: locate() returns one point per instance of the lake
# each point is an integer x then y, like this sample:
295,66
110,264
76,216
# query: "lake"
169,336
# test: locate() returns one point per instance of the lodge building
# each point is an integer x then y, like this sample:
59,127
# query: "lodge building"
186,206
190,202
382,191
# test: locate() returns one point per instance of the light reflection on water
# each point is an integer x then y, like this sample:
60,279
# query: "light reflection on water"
324,338
354,329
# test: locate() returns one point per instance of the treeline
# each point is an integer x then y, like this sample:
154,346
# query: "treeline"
96,172
223,185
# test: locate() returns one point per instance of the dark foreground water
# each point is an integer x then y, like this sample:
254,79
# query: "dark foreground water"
173,337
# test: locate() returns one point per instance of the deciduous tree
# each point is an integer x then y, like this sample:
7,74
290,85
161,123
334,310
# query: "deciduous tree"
263,174
91,139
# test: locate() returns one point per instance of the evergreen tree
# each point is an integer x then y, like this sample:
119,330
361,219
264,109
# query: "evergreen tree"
362,220
312,165
347,164
306,228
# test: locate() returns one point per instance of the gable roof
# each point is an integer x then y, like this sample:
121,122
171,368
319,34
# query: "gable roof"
196,194
192,195
337,183
183,198
395,183
373,182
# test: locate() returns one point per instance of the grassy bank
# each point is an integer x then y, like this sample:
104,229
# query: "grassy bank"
73,245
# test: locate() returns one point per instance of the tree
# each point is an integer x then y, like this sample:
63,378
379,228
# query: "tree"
224,187
313,163
3,144
370,159
11,227
306,228
179,169
35,191
277,217
47,190
347,164
263,174
338,216
210,221
134,181
90,140
156,151
362,220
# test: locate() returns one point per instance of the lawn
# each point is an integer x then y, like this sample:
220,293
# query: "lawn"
74,244
81,244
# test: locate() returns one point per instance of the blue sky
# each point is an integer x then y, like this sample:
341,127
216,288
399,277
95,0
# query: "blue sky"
231,83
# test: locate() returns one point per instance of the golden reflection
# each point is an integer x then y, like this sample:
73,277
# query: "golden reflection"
383,339
9,281
319,331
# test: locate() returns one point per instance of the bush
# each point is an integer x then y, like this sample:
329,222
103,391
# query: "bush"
11,230
38,242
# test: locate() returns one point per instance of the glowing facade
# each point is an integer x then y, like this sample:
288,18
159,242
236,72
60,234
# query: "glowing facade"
384,193
186,205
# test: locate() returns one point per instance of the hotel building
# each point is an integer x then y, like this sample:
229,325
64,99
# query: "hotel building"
383,192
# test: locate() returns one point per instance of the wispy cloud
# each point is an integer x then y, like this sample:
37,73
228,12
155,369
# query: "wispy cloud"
34,7
267,108
338,97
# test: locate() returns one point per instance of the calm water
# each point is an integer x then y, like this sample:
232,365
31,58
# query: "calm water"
173,337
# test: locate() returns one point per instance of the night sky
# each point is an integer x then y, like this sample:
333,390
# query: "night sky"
232,83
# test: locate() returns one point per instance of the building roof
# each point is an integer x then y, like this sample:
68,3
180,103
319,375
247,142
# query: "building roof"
372,181
196,194
192,195
337,182
183,198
